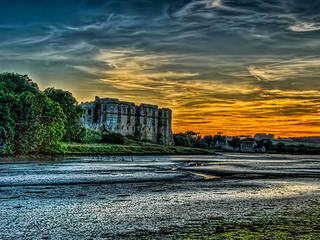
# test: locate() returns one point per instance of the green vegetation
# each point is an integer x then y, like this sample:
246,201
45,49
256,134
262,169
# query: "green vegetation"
73,112
191,139
112,138
303,225
106,143
138,148
29,120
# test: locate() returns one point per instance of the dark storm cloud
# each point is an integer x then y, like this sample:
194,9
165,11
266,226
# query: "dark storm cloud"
183,27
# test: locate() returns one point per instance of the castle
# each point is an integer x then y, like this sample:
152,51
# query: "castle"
144,122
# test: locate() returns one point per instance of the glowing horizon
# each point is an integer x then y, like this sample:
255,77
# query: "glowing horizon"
221,66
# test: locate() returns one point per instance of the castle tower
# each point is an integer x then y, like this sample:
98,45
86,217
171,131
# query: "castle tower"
144,122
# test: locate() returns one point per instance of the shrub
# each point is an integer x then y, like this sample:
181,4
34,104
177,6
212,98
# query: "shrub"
112,138
90,136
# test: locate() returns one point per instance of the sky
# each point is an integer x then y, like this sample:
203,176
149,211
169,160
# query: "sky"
236,67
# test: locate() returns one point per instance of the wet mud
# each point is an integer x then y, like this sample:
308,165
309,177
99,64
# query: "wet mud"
116,198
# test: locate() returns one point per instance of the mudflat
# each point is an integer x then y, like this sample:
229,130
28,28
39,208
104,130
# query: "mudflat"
130,197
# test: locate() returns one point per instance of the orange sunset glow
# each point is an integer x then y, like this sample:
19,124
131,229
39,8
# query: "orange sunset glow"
209,106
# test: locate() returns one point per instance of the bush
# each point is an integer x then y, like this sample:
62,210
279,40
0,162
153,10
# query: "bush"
112,138
182,140
90,136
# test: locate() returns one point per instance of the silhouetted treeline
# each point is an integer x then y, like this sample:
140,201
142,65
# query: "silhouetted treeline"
314,139
219,143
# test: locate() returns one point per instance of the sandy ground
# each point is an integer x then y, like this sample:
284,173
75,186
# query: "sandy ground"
104,198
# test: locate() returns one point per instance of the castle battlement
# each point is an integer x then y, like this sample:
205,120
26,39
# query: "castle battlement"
145,122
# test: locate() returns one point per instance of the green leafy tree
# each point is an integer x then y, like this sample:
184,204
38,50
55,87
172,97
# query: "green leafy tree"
52,124
11,86
74,129
17,83
183,139
26,123
29,121
7,123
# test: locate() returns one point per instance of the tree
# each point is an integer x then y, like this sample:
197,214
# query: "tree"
17,83
267,143
52,124
74,129
26,123
235,142
182,139
7,123
280,147
29,121
218,138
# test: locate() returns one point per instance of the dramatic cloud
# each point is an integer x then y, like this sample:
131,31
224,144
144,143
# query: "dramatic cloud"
229,66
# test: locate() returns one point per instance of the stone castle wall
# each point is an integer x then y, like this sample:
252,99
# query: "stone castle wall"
145,122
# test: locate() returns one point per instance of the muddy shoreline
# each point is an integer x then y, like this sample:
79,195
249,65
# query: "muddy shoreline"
165,196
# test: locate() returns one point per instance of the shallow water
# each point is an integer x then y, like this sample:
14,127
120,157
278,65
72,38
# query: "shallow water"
73,170
112,197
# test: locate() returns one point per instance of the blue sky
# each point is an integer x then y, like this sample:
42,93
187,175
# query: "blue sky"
233,66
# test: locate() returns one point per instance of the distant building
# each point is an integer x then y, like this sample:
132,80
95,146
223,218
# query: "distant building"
261,149
248,145
145,122
263,136
223,144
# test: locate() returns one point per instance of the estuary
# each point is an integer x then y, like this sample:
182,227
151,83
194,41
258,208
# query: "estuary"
122,197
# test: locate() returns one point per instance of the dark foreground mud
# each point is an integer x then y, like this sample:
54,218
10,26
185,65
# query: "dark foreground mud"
149,197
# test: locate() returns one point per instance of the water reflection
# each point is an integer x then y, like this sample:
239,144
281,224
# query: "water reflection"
72,170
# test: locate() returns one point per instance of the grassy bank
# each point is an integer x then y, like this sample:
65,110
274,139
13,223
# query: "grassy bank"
141,148
287,225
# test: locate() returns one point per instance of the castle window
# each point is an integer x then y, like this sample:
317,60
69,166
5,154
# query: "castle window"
89,112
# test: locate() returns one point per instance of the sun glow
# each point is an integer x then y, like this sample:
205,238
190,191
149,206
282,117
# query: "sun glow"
209,105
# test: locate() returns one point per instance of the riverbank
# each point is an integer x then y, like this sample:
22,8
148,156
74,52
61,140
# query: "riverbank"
132,149
103,149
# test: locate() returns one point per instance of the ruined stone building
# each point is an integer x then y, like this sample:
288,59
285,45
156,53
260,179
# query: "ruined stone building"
145,122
